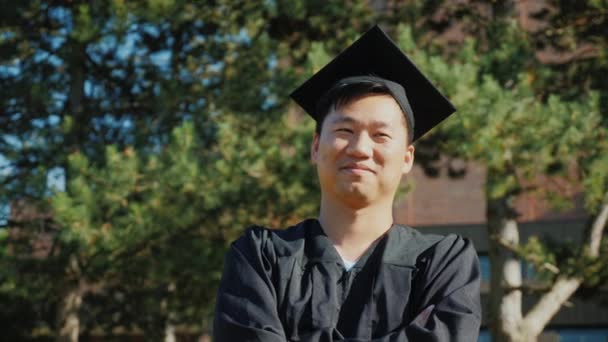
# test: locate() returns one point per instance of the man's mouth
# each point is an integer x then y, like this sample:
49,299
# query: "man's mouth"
357,168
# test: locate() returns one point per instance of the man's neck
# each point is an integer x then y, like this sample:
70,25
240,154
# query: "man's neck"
352,231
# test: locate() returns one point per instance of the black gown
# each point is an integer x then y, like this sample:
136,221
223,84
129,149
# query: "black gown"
291,285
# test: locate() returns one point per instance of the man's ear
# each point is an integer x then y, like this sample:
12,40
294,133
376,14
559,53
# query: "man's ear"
408,161
314,148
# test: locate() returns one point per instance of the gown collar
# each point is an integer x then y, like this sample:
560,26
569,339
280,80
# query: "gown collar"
321,249
401,244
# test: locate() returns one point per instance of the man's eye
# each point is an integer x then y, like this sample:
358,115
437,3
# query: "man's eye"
382,135
344,130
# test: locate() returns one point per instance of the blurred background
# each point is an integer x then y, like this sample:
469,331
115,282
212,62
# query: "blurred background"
139,138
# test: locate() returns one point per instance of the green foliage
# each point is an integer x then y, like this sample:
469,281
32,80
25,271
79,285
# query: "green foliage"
318,56
595,181
142,222
504,51
540,256
550,258
167,121
507,127
518,135
591,269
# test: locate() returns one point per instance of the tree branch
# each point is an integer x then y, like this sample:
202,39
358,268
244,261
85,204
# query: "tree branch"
597,231
550,303
530,287
529,258
565,286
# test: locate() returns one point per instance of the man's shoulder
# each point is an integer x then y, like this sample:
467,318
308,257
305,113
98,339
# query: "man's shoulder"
426,240
278,242
408,244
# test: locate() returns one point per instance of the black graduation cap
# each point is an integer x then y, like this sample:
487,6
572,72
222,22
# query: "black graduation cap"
376,54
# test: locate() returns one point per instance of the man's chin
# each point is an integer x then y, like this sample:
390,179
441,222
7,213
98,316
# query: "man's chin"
357,194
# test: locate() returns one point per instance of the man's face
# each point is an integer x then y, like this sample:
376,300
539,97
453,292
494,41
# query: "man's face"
362,151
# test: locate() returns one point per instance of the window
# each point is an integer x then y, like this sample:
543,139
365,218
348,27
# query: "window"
527,270
484,336
484,264
563,335
582,335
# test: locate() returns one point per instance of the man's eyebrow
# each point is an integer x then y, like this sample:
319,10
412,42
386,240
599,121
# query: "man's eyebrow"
343,119
348,119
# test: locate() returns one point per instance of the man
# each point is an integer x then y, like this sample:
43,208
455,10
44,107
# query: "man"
352,274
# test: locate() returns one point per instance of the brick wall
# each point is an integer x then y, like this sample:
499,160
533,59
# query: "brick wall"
443,200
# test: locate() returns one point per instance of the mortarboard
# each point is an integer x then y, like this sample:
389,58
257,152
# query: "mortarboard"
375,55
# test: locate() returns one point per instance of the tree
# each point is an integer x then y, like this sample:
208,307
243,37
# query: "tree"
79,77
155,227
518,136
169,114
555,48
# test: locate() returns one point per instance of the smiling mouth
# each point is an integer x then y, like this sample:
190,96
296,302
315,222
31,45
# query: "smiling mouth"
356,169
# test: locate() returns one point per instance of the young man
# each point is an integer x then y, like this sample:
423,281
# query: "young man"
352,274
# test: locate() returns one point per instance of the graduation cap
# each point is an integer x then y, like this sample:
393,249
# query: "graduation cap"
374,56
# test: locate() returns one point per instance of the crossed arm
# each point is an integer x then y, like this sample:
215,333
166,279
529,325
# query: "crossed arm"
449,303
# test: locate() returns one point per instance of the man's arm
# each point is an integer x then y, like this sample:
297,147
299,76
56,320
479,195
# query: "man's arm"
246,301
448,297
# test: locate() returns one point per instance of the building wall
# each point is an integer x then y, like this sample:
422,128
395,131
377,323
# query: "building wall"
443,205
444,200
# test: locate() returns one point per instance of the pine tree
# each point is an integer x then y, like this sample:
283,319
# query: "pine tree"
519,136
94,94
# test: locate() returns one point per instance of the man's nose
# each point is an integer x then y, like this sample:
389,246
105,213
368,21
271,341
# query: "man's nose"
360,146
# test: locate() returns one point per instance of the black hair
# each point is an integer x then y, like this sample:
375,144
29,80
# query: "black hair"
343,94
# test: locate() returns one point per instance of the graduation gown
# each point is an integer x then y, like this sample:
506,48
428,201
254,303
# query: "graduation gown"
291,285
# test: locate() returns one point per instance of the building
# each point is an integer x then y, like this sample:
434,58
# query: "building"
445,205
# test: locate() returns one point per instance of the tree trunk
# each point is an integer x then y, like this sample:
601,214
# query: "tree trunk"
564,287
68,319
506,277
169,332
506,321
549,304
169,335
